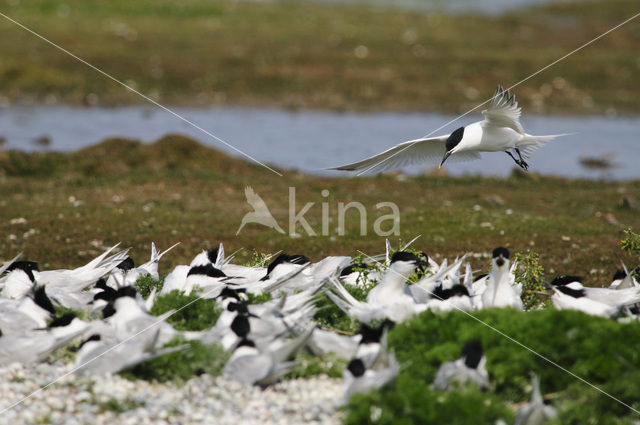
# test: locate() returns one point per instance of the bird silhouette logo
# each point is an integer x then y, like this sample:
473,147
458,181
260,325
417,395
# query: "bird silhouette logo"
260,213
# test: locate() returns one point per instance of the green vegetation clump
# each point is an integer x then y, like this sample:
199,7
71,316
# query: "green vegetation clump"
259,259
310,365
530,274
114,405
195,359
631,244
192,312
595,349
411,401
259,299
145,284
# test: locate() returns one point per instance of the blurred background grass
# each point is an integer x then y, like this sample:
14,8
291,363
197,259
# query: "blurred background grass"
313,55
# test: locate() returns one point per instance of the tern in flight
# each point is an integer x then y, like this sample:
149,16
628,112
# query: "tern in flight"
499,131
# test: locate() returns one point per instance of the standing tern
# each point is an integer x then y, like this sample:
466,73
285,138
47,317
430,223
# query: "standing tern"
500,293
499,131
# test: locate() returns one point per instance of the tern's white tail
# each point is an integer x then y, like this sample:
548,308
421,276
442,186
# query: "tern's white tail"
529,143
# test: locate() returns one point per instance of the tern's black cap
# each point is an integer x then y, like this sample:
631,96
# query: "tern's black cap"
285,258
575,293
62,321
94,337
212,254
356,367
455,291
371,334
500,251
206,270
26,266
620,274
565,280
472,353
126,264
240,326
454,138
404,256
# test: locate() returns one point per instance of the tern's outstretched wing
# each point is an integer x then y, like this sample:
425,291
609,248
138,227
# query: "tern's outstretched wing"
408,153
503,111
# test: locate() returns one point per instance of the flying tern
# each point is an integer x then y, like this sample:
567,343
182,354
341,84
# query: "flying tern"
499,131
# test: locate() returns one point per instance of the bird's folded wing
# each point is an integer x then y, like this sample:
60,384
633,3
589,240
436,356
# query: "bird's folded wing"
408,153
248,369
503,111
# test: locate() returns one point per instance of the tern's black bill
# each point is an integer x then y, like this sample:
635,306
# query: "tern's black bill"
444,158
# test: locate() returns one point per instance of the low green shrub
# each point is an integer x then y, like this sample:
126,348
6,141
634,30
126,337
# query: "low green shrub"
192,312
596,349
182,365
530,274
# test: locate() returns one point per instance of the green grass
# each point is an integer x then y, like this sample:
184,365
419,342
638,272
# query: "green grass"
595,349
301,54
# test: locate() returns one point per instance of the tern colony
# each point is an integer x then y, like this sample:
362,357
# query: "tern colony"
264,338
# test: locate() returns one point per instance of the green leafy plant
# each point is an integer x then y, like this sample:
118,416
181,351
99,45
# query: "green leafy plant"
192,312
145,284
631,244
364,267
530,274
259,299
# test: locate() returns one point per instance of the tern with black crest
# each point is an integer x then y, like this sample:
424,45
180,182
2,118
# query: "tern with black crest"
500,131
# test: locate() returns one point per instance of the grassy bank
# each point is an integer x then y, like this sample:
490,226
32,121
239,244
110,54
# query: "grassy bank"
63,209
291,54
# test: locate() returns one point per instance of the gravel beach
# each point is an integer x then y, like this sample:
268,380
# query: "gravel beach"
202,399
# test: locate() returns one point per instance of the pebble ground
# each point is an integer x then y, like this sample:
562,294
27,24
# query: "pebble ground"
200,400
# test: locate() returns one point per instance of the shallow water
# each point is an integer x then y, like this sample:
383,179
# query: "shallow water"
489,7
312,140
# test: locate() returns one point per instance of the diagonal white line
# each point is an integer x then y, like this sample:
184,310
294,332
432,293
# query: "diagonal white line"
523,346
44,387
191,123
515,85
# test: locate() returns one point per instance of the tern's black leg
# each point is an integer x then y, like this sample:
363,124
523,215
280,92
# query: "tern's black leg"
523,163
512,157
